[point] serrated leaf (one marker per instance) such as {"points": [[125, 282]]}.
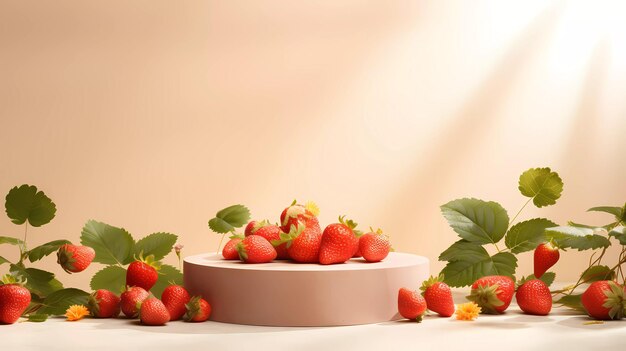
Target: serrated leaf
{"points": [[157, 244], [10, 240], [37, 318], [547, 278], [59, 301], [112, 245], [525, 236], [619, 233], [615, 211], [39, 282], [167, 275], [476, 220], [542, 185], [576, 237], [596, 273], [3, 260], [463, 250], [226, 220], [27, 203], [44, 250], [572, 301], [463, 273], [111, 278]]}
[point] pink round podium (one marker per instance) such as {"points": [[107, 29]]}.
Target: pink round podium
{"points": [[284, 293]]}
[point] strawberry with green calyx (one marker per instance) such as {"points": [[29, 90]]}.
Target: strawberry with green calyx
{"points": [[104, 304], [546, 255], [604, 300], [253, 226], [175, 297], [302, 242], [411, 305], [198, 310], [143, 272], [14, 299], [153, 312], [374, 246], [270, 233], [534, 297], [131, 298], [493, 293], [438, 296], [255, 249], [338, 242], [296, 213], [230, 249], [75, 258]]}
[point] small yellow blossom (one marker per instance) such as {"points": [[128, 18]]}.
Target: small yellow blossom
{"points": [[467, 311], [76, 312]]}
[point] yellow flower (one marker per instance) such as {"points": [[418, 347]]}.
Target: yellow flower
{"points": [[467, 311], [76, 312]]}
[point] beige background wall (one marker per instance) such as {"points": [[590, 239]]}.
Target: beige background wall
{"points": [[152, 115]]}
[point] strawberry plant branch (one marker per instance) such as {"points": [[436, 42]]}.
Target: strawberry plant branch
{"points": [[520, 211]]}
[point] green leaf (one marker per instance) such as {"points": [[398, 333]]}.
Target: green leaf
{"points": [[463, 250], [44, 250], [572, 301], [619, 233], [577, 238], [615, 211], [10, 240], [111, 278], [157, 244], [542, 185], [3, 260], [112, 245], [525, 236], [26, 203], [463, 273], [476, 220], [167, 275], [596, 273], [547, 278], [59, 301], [38, 281], [38, 317], [230, 218]]}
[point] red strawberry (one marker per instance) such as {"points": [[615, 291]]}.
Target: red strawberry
{"points": [[255, 249], [299, 213], [546, 255], [604, 300], [143, 273], [131, 298], [438, 296], [411, 304], [303, 242], [230, 249], [14, 299], [253, 226], [271, 233], [198, 310], [104, 304], [175, 297], [534, 297], [374, 246], [357, 252], [338, 242], [75, 258], [493, 293], [153, 312]]}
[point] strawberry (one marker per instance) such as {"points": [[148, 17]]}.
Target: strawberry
{"points": [[302, 242], [131, 298], [604, 299], [534, 297], [357, 252], [438, 296], [545, 256], [411, 304], [75, 258], [153, 312], [14, 299], [104, 304], [271, 233], [143, 272], [230, 249], [198, 310], [255, 249], [175, 297], [374, 246], [493, 293], [296, 213], [338, 242], [253, 226]]}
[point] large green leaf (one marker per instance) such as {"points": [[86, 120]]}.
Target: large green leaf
{"points": [[542, 185], [167, 275], [525, 236], [26, 203], [38, 281], [112, 245], [59, 301], [572, 301], [157, 244], [619, 233], [463, 250], [615, 211], [10, 240], [476, 220], [229, 219], [577, 238], [596, 273], [111, 278], [463, 273], [44, 250]]}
